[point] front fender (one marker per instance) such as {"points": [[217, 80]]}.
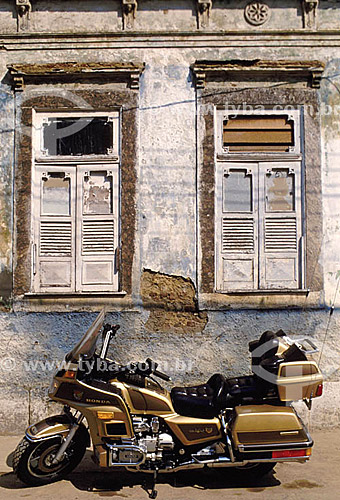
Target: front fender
{"points": [[57, 425]]}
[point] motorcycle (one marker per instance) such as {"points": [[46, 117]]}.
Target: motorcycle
{"points": [[246, 422]]}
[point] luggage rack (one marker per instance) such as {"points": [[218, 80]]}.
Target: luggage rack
{"points": [[306, 345]]}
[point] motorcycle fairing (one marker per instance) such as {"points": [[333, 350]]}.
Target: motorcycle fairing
{"points": [[58, 425]]}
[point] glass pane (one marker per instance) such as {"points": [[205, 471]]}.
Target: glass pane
{"points": [[97, 193], [280, 191], [56, 194], [237, 191], [78, 136]]}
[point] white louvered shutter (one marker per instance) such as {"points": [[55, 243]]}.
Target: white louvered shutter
{"points": [[53, 246], [236, 227], [280, 225], [97, 228]]}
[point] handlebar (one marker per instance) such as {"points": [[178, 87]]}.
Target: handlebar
{"points": [[153, 370], [161, 375]]}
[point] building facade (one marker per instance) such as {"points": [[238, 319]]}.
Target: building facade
{"points": [[175, 162]]}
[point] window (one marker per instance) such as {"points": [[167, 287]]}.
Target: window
{"points": [[259, 231], [258, 133], [61, 135], [75, 215]]}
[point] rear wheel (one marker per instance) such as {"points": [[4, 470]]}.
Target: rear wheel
{"points": [[255, 470], [32, 461]]}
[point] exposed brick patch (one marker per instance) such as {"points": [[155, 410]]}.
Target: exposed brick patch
{"points": [[172, 302]]}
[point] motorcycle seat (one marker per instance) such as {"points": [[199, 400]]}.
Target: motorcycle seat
{"points": [[200, 400], [207, 400]]}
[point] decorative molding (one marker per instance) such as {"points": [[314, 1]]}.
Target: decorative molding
{"points": [[310, 11], [129, 8], [18, 83], [250, 70], [200, 78], [23, 8], [134, 79], [256, 13], [203, 13], [22, 74]]}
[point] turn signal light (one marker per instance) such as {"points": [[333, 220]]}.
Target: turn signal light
{"points": [[105, 415], [292, 453], [319, 391], [70, 374]]}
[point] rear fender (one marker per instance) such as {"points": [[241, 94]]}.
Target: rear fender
{"points": [[58, 426]]}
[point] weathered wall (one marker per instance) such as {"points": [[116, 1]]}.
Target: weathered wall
{"points": [[178, 15], [6, 193], [162, 318], [32, 345]]}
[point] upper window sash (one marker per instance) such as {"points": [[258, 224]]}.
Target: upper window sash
{"points": [[76, 136], [292, 116]]}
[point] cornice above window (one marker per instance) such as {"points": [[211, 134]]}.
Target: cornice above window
{"points": [[23, 74], [247, 70]]}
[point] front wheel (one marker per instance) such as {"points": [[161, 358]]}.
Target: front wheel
{"points": [[32, 461]]}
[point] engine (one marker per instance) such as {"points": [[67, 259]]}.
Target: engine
{"points": [[151, 439], [151, 444]]}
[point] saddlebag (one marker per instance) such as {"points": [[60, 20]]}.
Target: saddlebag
{"points": [[262, 428]]}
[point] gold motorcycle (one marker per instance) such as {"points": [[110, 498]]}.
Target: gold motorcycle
{"points": [[246, 422]]}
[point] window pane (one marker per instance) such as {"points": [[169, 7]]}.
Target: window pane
{"points": [[258, 133], [237, 191], [56, 194], [78, 136], [97, 193], [280, 191]]}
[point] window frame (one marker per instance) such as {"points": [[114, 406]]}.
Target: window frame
{"points": [[41, 154], [293, 114], [221, 95], [78, 164], [256, 162], [74, 98]]}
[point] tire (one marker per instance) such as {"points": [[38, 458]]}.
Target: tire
{"points": [[254, 471], [31, 460]]}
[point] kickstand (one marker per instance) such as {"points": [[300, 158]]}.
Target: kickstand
{"points": [[153, 493]]}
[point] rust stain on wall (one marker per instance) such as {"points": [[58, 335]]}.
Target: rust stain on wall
{"points": [[172, 302]]}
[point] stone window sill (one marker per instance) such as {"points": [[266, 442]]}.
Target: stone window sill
{"points": [[261, 299], [75, 295], [71, 302]]}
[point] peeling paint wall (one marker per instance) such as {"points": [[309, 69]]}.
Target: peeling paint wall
{"points": [[164, 315]]}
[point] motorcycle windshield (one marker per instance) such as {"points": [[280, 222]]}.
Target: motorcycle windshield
{"points": [[87, 345]]}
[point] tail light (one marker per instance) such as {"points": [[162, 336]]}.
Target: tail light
{"points": [[319, 391], [292, 453]]}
